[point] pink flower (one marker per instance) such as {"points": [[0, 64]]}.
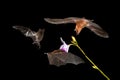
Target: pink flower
{"points": [[64, 46]]}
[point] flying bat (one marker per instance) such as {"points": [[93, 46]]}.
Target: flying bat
{"points": [[36, 36], [80, 24], [60, 57]]}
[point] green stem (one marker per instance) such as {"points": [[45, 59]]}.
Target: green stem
{"points": [[94, 66]]}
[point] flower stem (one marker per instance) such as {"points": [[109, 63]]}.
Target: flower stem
{"points": [[94, 66], [74, 42]]}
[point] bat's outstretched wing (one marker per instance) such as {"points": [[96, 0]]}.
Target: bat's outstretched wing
{"points": [[59, 58], [40, 34], [38, 37], [69, 58], [24, 30], [97, 30], [61, 21]]}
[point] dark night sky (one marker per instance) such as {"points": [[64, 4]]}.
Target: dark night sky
{"points": [[24, 59]]}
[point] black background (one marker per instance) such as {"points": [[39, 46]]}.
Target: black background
{"points": [[23, 59]]}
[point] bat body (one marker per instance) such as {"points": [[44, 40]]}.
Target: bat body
{"points": [[60, 57], [80, 24], [36, 36]]}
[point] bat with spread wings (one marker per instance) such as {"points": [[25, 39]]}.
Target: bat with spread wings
{"points": [[36, 36], [80, 24], [61, 56]]}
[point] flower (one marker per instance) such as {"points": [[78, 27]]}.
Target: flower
{"points": [[64, 46], [74, 41]]}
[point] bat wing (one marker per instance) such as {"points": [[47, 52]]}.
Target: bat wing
{"points": [[53, 60], [98, 30], [62, 58], [69, 58], [61, 21], [40, 34], [38, 37], [21, 28], [24, 30]]}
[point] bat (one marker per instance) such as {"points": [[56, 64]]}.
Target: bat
{"points": [[36, 36], [60, 57], [80, 24]]}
